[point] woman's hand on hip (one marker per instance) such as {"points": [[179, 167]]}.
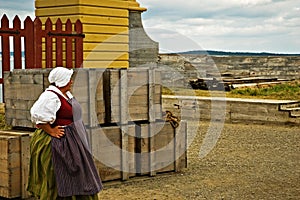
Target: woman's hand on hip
{"points": [[57, 131]]}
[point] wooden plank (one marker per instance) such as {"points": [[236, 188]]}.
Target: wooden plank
{"points": [[71, 10], [108, 147], [155, 148], [37, 40], [29, 42], [142, 149], [17, 44], [58, 43], [12, 161], [3, 148], [96, 19], [107, 3], [100, 55], [49, 47], [151, 95], [140, 90], [104, 37], [69, 45], [124, 123], [123, 97], [106, 47], [25, 157], [95, 92], [152, 161], [9, 165], [10, 182], [78, 45], [5, 45], [181, 146]]}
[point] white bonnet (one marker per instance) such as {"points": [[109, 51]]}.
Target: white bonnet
{"points": [[60, 76]]}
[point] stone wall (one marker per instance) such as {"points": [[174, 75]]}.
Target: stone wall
{"points": [[199, 66]]}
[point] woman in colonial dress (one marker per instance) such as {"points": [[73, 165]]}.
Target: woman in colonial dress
{"points": [[61, 163]]}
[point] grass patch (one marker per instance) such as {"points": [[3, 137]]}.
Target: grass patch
{"points": [[286, 91], [3, 125]]}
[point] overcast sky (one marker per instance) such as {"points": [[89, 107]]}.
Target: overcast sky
{"points": [[229, 25]]}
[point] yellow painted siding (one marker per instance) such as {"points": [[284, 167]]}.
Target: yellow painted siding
{"points": [[105, 29], [71, 10], [99, 3], [105, 64], [106, 56], [127, 4], [111, 38], [92, 20], [110, 47], [105, 25]]}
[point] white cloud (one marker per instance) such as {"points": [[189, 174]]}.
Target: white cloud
{"points": [[271, 25], [246, 25]]}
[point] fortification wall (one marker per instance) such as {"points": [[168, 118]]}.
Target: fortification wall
{"points": [[196, 66]]}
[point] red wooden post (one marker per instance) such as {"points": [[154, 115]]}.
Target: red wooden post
{"points": [[38, 56], [17, 44], [78, 45], [5, 45], [69, 44], [29, 43], [49, 57], [59, 56]]}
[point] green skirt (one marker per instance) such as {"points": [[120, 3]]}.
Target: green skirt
{"points": [[41, 181]]}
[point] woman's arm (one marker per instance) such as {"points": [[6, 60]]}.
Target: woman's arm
{"points": [[57, 131]]}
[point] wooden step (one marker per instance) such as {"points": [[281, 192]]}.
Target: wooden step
{"points": [[287, 106]]}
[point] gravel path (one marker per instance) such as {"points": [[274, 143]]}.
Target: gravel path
{"points": [[248, 162]]}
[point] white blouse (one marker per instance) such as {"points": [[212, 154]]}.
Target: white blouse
{"points": [[45, 108]]}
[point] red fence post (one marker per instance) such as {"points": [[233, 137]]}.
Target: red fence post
{"points": [[78, 45], [17, 44], [29, 43], [38, 54], [5, 45], [69, 56], [59, 47], [48, 38]]}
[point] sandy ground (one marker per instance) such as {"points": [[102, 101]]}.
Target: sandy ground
{"points": [[248, 162]]}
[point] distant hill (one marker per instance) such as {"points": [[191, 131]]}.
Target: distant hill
{"points": [[217, 53], [224, 53]]}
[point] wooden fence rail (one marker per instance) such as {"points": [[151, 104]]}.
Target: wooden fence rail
{"points": [[63, 44]]}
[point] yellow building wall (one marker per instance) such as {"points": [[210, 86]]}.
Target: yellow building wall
{"points": [[105, 25]]}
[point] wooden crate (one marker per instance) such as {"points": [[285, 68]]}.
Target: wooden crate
{"points": [[14, 164], [113, 149], [22, 88], [88, 90], [132, 94], [160, 147], [105, 95]]}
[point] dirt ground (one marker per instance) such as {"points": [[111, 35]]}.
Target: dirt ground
{"points": [[248, 162]]}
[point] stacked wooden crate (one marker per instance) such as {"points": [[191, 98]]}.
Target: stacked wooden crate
{"points": [[21, 89], [123, 115], [121, 109], [14, 158]]}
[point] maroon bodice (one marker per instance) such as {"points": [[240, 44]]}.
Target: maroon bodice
{"points": [[64, 115]]}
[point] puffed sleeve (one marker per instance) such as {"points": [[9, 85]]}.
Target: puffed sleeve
{"points": [[45, 108]]}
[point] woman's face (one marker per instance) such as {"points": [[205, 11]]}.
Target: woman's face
{"points": [[67, 87]]}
